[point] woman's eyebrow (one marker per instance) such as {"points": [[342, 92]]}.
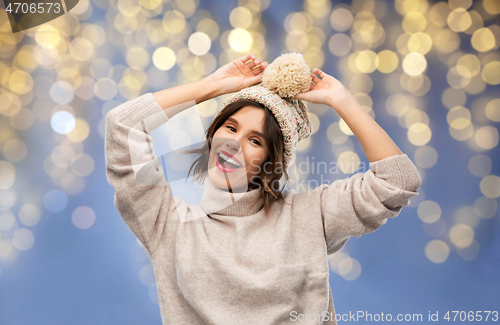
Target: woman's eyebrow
{"points": [[230, 119], [258, 133]]}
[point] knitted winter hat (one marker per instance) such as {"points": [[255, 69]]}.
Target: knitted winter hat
{"points": [[284, 78]]}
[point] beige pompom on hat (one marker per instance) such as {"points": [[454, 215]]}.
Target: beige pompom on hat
{"points": [[287, 76]]}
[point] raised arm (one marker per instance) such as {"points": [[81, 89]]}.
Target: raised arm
{"points": [[234, 76], [142, 195], [329, 91], [361, 203]]}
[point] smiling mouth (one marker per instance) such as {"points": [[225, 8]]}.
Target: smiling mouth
{"points": [[227, 163]]}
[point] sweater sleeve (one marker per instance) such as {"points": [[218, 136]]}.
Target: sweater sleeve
{"points": [[362, 203], [142, 197]]}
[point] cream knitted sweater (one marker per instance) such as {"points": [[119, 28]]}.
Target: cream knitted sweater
{"points": [[222, 263]]}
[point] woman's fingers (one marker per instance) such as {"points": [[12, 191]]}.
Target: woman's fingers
{"points": [[319, 73], [246, 60], [255, 64], [303, 96], [315, 78], [299, 96], [260, 69], [252, 63], [247, 57]]}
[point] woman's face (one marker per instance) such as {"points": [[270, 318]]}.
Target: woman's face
{"points": [[241, 139]]}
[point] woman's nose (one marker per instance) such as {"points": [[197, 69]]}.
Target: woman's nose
{"points": [[233, 144]]}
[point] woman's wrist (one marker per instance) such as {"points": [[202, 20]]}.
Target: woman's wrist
{"points": [[340, 99], [175, 99], [209, 89]]}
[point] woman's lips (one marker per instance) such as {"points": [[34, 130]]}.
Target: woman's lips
{"points": [[231, 156], [222, 168]]}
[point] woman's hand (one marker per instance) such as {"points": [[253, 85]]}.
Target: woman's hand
{"points": [[325, 90], [237, 74]]}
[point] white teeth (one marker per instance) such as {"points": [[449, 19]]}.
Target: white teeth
{"points": [[231, 160]]}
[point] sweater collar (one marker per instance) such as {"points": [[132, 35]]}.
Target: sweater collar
{"points": [[218, 201]]}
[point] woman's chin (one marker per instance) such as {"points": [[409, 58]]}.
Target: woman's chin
{"points": [[234, 181]]}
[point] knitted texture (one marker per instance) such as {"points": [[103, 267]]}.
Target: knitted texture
{"points": [[288, 75]]}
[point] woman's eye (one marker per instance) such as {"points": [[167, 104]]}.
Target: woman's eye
{"points": [[234, 130]]}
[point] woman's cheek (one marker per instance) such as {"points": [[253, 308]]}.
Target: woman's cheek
{"points": [[255, 165], [253, 161]]}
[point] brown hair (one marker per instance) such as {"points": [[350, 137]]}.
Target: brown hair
{"points": [[267, 181]]}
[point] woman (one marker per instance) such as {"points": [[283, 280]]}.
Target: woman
{"points": [[246, 254]]}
